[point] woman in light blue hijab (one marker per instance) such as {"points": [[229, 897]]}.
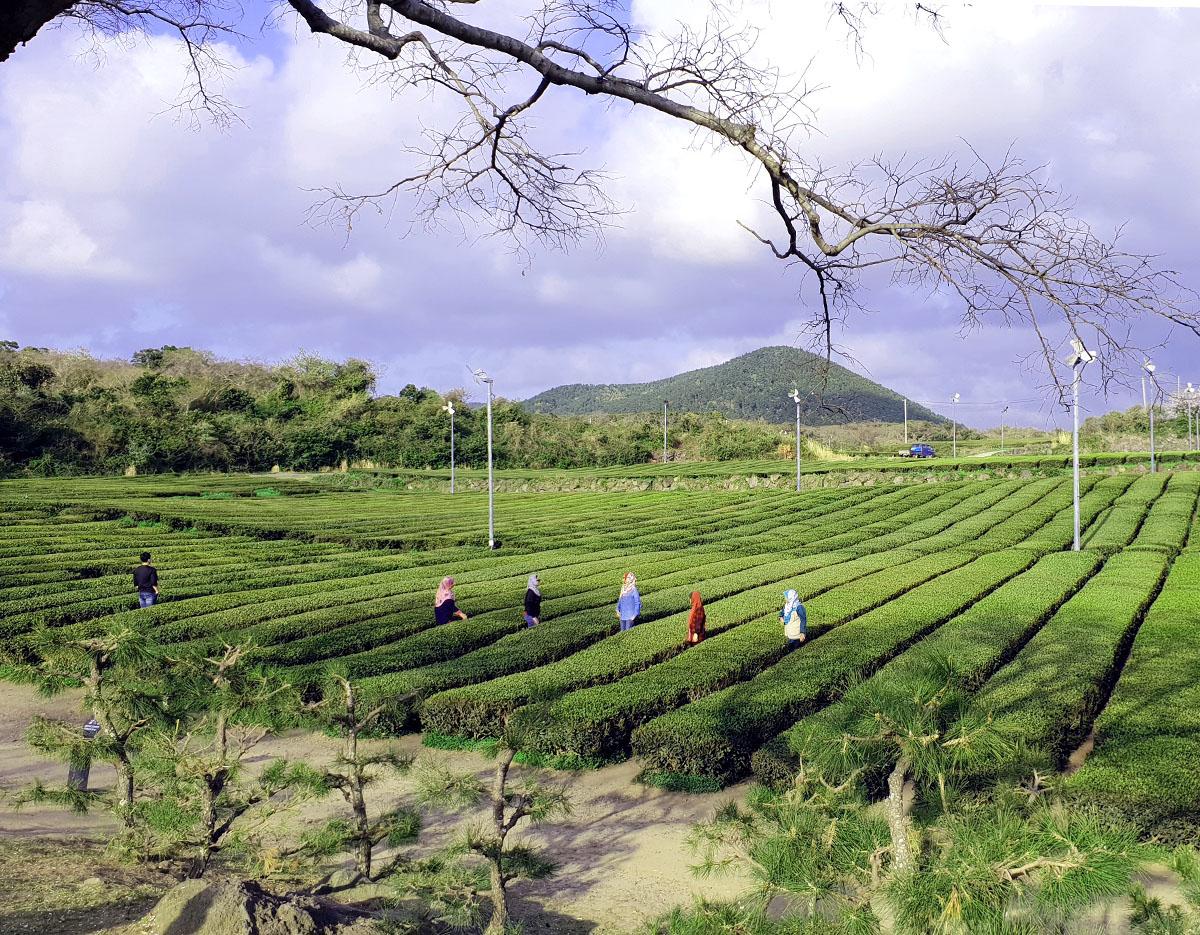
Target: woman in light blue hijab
{"points": [[794, 619]]}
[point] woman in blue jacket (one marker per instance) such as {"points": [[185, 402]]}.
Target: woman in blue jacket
{"points": [[629, 604]]}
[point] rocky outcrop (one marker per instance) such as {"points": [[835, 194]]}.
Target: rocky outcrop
{"points": [[210, 907]]}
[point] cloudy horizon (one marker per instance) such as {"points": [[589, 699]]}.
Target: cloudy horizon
{"points": [[121, 228]]}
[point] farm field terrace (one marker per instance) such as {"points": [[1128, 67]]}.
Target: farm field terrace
{"points": [[1055, 646]]}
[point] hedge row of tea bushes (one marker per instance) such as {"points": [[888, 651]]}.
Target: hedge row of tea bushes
{"points": [[715, 737], [478, 710], [1044, 701], [724, 730], [1146, 760], [969, 648], [894, 576], [520, 651], [465, 636]]}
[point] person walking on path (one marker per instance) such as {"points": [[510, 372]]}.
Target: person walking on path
{"points": [[794, 619], [145, 578], [533, 602], [696, 620], [444, 608], [629, 604]]}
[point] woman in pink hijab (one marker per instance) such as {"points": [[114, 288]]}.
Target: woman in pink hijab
{"points": [[444, 608]]}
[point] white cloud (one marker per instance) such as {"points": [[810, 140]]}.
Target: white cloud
{"points": [[43, 238], [353, 282]]}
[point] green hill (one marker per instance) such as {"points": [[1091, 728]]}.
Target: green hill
{"points": [[754, 386]]}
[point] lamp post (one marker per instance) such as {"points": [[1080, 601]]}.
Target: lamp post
{"points": [[1003, 422], [1189, 399], [906, 422], [795, 397], [1150, 368], [449, 407], [664, 431], [1079, 358], [954, 429], [482, 378]]}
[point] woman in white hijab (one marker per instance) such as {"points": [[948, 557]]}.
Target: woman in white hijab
{"points": [[794, 619], [533, 602]]}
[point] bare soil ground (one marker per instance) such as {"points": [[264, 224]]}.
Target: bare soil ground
{"points": [[622, 853]]}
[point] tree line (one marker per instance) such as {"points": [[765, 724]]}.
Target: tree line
{"points": [[180, 409]]}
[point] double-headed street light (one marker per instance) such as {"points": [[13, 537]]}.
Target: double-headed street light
{"points": [[1079, 358], [954, 429], [449, 407], [1189, 398], [1150, 368], [795, 397], [482, 378]]}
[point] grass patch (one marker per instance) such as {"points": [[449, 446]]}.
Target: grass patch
{"points": [[73, 883], [437, 741], [567, 761], [678, 782], [216, 495], [267, 492]]}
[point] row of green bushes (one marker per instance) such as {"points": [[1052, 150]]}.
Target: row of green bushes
{"points": [[1144, 764], [969, 648]]}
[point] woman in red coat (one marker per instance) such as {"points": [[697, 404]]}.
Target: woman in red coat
{"points": [[696, 620]]}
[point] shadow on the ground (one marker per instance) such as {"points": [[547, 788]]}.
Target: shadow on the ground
{"points": [[73, 921]]}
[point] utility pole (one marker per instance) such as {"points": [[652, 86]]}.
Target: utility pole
{"points": [[906, 422]]}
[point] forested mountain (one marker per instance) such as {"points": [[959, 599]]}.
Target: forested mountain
{"points": [[754, 386]]}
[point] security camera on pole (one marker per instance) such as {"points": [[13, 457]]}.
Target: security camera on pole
{"points": [[954, 431], [483, 379], [449, 407], [1150, 368], [795, 397], [1079, 358]]}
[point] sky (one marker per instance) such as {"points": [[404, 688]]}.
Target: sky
{"points": [[122, 227]]}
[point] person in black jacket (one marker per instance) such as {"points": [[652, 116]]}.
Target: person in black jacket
{"points": [[145, 578], [533, 602]]}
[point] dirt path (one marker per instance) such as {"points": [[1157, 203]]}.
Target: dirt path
{"points": [[622, 853]]}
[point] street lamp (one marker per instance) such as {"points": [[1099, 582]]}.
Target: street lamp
{"points": [[795, 397], [483, 379], [449, 407], [1080, 357], [1150, 368], [664, 431], [954, 429], [1003, 422], [1189, 399]]}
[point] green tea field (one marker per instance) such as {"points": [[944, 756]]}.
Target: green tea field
{"points": [[1058, 648]]}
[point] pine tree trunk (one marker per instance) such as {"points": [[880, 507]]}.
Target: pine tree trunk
{"points": [[359, 805], [499, 921], [898, 820], [208, 824], [124, 791]]}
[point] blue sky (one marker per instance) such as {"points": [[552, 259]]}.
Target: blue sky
{"points": [[122, 228]]}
